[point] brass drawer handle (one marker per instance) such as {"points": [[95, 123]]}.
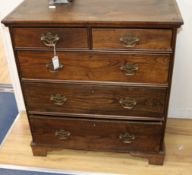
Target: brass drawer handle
{"points": [[129, 69], [50, 67], [128, 103], [127, 137], [129, 41], [49, 39], [62, 134], [58, 99]]}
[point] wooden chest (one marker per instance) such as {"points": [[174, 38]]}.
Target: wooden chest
{"points": [[110, 89]]}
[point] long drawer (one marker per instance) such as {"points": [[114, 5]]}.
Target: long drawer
{"points": [[100, 135], [42, 37], [137, 68], [132, 39], [95, 99]]}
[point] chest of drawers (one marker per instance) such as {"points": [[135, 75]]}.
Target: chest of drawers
{"points": [[111, 89]]}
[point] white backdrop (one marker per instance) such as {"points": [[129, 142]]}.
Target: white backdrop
{"points": [[181, 94]]}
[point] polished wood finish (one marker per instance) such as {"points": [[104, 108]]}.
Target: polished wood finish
{"points": [[95, 66], [149, 39], [116, 65], [92, 99], [98, 135], [69, 37], [98, 12]]}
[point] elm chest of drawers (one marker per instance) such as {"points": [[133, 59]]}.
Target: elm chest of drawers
{"points": [[108, 89]]}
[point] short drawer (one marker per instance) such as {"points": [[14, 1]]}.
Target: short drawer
{"points": [[42, 37], [74, 98], [101, 135], [128, 39], [95, 67]]}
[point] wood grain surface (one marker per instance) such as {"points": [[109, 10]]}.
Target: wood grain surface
{"points": [[93, 66], [17, 151], [152, 24], [149, 39], [68, 37], [95, 99], [97, 135], [121, 12]]}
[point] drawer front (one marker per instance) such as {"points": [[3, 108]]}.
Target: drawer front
{"points": [[95, 99], [40, 37], [101, 135], [95, 67], [128, 39]]}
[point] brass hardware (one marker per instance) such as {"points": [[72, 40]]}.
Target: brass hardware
{"points": [[50, 67], [129, 69], [62, 134], [128, 103], [127, 137], [129, 41], [58, 99], [50, 39]]}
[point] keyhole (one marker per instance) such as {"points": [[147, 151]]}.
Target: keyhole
{"points": [[92, 91], [91, 56]]}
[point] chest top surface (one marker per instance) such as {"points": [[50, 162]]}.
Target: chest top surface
{"points": [[97, 12]]}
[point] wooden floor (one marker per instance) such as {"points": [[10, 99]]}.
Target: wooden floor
{"points": [[178, 161], [4, 73]]}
